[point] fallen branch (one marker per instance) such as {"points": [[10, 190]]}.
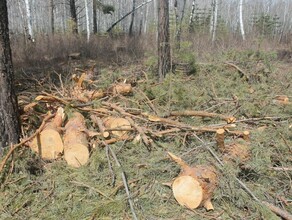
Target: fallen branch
{"points": [[242, 73], [144, 137], [228, 119], [280, 212], [127, 14], [14, 147], [92, 188], [99, 123], [124, 181]]}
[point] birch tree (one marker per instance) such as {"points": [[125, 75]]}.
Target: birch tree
{"points": [[164, 59], [214, 20], [87, 20], [29, 21], [9, 117], [180, 5], [241, 20], [192, 16]]}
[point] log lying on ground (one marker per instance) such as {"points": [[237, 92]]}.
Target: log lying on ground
{"points": [[228, 119], [48, 144], [121, 88], [112, 123], [194, 186], [76, 141]]}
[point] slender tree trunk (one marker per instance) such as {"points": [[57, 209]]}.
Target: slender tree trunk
{"points": [[146, 19], [132, 19], [241, 20], [29, 21], [127, 14], [215, 16], [191, 22], [164, 59], [52, 6], [180, 16], [94, 8], [74, 17], [9, 118], [87, 20]]}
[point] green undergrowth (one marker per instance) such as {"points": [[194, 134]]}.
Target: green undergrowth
{"points": [[36, 189]]}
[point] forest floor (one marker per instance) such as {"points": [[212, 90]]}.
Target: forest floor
{"points": [[247, 85]]}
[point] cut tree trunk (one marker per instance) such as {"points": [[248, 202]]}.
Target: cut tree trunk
{"points": [[76, 141], [117, 123], [48, 144], [201, 186]]}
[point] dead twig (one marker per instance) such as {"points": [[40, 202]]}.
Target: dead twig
{"points": [[228, 119], [144, 137], [124, 181], [92, 188], [242, 73]]}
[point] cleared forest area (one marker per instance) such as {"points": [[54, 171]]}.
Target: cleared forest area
{"points": [[105, 137]]}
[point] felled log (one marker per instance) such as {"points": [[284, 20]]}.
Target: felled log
{"points": [[195, 185], [48, 143], [76, 151], [112, 123], [121, 88]]}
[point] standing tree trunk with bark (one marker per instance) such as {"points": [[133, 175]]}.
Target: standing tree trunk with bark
{"points": [[214, 20], [87, 20], [9, 117], [132, 19], [52, 7], [180, 5], [192, 16], [73, 17], [164, 58], [29, 21], [94, 8], [241, 20]]}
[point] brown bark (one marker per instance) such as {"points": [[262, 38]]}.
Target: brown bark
{"points": [[164, 59], [9, 116]]}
